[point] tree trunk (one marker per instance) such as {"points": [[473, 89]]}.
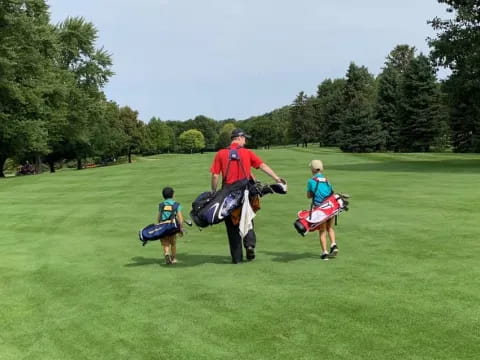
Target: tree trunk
{"points": [[79, 164], [51, 164], [129, 156], [2, 164], [38, 164]]}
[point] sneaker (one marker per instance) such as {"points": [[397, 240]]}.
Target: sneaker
{"points": [[174, 260], [324, 256], [333, 250], [168, 260], [250, 253]]}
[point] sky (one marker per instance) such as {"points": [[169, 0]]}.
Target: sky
{"points": [[176, 59]]}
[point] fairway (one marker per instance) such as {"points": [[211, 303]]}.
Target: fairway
{"points": [[76, 283]]}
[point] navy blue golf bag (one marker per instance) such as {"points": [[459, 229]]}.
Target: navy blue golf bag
{"points": [[167, 227], [212, 208]]}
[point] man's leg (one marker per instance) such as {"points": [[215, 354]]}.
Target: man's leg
{"points": [[250, 241], [234, 240]]}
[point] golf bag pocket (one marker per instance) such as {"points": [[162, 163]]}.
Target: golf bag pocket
{"points": [[154, 232]]}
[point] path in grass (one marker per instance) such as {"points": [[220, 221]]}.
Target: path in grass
{"points": [[76, 284]]}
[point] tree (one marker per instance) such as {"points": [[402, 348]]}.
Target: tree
{"points": [[389, 92], [159, 135], [191, 140], [456, 47], [359, 131], [224, 139], [134, 131], [303, 127], [27, 53], [90, 68], [330, 105], [418, 106], [263, 131], [108, 139], [207, 127]]}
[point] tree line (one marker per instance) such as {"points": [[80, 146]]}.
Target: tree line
{"points": [[53, 108]]}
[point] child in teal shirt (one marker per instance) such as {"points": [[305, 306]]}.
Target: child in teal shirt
{"points": [[318, 189], [169, 242]]}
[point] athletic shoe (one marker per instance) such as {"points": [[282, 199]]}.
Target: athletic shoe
{"points": [[324, 256], [333, 250], [250, 253], [174, 260], [168, 259]]}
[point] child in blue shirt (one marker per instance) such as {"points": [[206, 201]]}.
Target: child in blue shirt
{"points": [[318, 189]]}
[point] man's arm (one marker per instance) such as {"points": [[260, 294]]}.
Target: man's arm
{"points": [[214, 181], [267, 170]]}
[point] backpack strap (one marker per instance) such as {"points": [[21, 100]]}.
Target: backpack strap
{"points": [[233, 155], [167, 207], [174, 210], [313, 196]]}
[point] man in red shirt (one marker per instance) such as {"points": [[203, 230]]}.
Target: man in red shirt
{"points": [[234, 163]]}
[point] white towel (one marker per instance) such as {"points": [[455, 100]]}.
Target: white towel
{"points": [[246, 217]]}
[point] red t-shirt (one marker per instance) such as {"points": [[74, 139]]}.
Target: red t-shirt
{"points": [[248, 160]]}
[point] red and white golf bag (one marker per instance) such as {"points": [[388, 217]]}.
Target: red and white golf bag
{"points": [[310, 220]]}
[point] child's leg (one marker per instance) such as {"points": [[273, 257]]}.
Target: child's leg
{"points": [[166, 249], [323, 240], [331, 232], [173, 248], [331, 235]]}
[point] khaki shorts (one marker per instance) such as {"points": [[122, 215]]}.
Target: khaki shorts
{"points": [[169, 240]]}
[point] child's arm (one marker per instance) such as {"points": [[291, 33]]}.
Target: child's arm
{"points": [[180, 221], [180, 217], [159, 217]]}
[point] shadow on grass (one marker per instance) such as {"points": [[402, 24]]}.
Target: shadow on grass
{"points": [[184, 260], [288, 257], [439, 166]]}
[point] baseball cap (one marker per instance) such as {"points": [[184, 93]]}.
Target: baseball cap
{"points": [[316, 165], [239, 132]]}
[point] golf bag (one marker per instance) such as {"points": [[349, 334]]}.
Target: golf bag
{"points": [[211, 208], [310, 220], [167, 227]]}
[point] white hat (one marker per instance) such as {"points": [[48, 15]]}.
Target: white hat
{"points": [[316, 165]]}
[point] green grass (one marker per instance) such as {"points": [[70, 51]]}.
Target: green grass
{"points": [[75, 283]]}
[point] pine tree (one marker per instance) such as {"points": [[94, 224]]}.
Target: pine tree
{"points": [[360, 131], [331, 105], [418, 107], [389, 92], [303, 128]]}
